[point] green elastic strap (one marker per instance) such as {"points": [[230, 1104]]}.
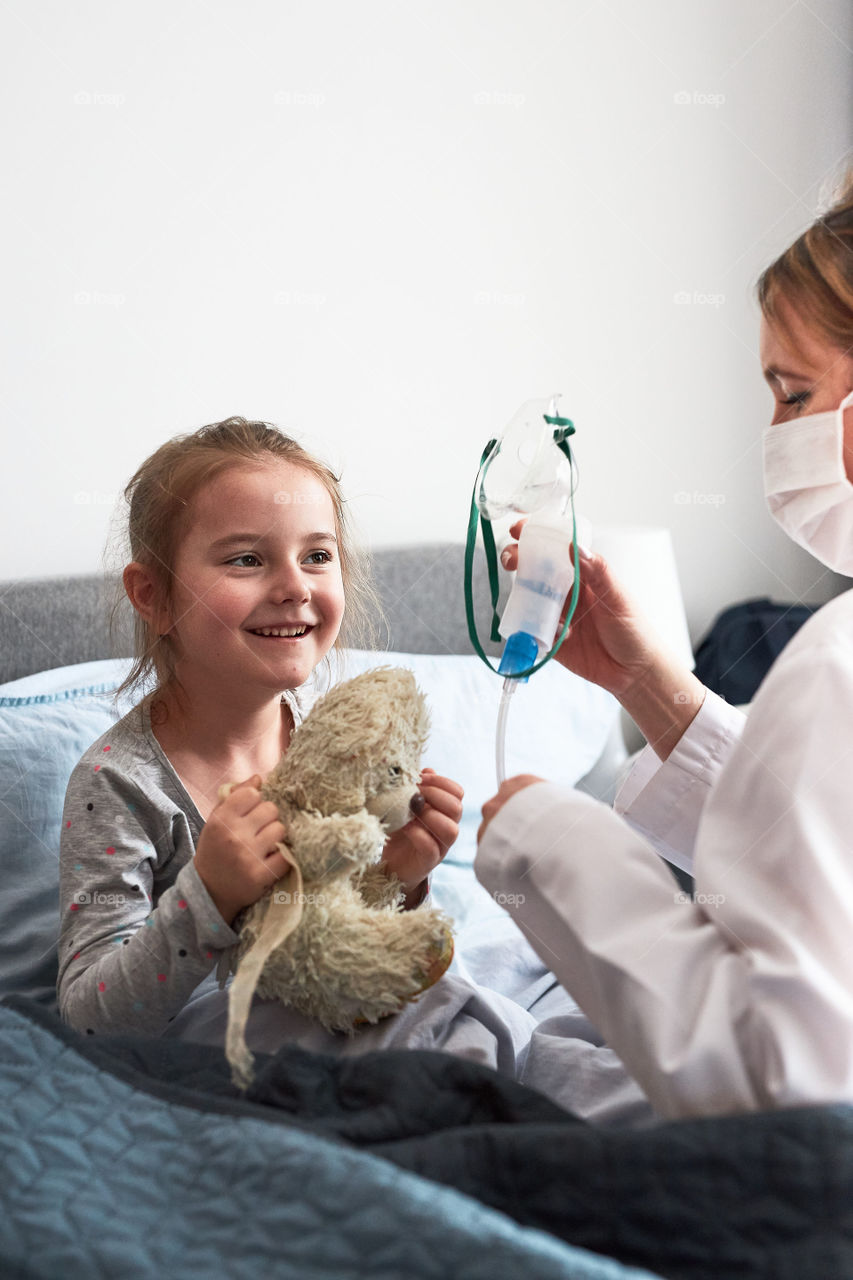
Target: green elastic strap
{"points": [[491, 560], [565, 429]]}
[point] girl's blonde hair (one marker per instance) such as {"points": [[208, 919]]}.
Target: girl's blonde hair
{"points": [[159, 498], [815, 275]]}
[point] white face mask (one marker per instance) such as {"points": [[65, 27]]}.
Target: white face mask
{"points": [[806, 486]]}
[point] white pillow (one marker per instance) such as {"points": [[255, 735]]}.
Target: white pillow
{"points": [[104, 674], [557, 726]]}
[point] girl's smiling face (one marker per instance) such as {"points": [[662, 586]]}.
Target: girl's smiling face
{"points": [[260, 554]]}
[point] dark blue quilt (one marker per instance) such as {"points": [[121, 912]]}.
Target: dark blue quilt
{"points": [[125, 1156], [134, 1159]]}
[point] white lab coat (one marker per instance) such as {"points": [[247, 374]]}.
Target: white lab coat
{"points": [[743, 998]]}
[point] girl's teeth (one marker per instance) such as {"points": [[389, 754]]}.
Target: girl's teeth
{"points": [[280, 631]]}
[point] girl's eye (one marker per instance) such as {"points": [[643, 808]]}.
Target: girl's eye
{"points": [[247, 555], [324, 557]]}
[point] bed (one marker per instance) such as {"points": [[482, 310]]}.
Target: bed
{"points": [[127, 1156]]}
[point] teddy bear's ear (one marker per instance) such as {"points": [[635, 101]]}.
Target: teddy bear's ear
{"points": [[374, 708], [358, 720], [360, 729]]}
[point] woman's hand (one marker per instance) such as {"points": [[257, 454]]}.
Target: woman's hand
{"points": [[506, 790], [416, 849], [611, 644], [607, 641], [236, 857]]}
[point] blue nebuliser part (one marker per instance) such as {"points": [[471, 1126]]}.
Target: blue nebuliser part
{"points": [[519, 654]]}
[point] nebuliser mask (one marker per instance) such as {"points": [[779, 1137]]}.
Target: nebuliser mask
{"points": [[528, 470]]}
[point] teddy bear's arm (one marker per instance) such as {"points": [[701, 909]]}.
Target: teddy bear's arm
{"points": [[339, 842], [379, 887]]}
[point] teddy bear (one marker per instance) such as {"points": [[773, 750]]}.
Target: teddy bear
{"points": [[331, 938]]}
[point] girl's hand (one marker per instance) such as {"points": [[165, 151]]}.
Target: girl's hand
{"points": [[607, 641], [505, 791], [416, 849], [236, 857]]}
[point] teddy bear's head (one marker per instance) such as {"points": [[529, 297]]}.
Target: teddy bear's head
{"points": [[360, 748]]}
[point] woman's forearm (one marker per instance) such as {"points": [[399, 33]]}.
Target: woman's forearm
{"points": [[663, 703]]}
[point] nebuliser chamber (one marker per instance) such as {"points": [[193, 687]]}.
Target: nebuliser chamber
{"points": [[543, 578]]}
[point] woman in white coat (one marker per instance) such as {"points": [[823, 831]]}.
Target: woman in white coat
{"points": [[741, 999]]}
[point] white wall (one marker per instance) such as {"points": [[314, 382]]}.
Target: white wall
{"points": [[385, 225]]}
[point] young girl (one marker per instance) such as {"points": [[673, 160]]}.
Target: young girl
{"points": [[241, 569]]}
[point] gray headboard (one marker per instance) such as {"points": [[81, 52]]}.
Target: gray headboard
{"points": [[54, 622]]}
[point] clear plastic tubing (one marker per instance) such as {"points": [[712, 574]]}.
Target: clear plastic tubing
{"points": [[500, 735], [519, 654]]}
